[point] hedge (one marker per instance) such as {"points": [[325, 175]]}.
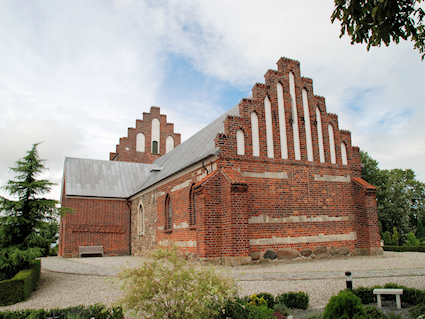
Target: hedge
{"points": [[21, 286], [97, 311], [405, 248]]}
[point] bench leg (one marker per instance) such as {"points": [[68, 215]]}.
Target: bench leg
{"points": [[378, 298], [398, 300]]}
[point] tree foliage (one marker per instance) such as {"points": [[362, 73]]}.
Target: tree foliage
{"points": [[377, 21], [400, 197], [22, 219]]}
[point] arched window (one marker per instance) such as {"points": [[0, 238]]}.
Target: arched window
{"points": [[255, 134], [282, 122], [240, 142], [269, 127], [320, 135], [169, 144], [140, 142], [168, 214], [192, 207], [332, 144], [141, 220], [307, 126], [344, 154], [155, 136], [297, 149]]}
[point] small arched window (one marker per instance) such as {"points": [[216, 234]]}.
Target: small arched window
{"points": [[169, 143], [140, 142], [255, 134], [192, 207], [155, 135], [319, 135], [240, 141], [168, 214], [155, 147], [344, 154], [141, 220], [332, 144]]}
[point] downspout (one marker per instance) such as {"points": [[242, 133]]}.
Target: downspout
{"points": [[204, 167], [129, 229]]}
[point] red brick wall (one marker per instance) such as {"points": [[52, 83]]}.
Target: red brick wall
{"points": [[95, 222], [126, 149], [223, 210]]}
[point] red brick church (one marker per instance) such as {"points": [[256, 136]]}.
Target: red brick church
{"points": [[273, 172]]}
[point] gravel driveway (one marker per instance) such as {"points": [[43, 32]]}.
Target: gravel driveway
{"points": [[71, 282]]}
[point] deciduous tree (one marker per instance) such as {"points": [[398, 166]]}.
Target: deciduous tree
{"points": [[377, 21]]}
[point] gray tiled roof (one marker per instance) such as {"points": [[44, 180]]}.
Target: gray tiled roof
{"points": [[199, 146], [87, 177]]}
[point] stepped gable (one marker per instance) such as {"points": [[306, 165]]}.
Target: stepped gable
{"points": [[316, 114], [195, 149], [139, 146]]}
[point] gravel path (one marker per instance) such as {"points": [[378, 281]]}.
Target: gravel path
{"points": [[70, 282]]}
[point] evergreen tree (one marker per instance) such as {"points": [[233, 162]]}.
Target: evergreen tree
{"points": [[22, 219], [420, 231]]}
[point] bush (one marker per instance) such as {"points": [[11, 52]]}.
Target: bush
{"points": [[267, 297], [410, 295], [21, 285], [417, 310], [294, 300], [257, 312], [404, 248], [365, 294], [281, 309], [168, 286], [412, 241], [97, 311], [344, 305], [374, 313]]}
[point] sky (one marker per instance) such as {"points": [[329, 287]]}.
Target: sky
{"points": [[75, 75]]}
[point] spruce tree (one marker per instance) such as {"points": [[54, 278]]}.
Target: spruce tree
{"points": [[420, 231], [22, 219]]}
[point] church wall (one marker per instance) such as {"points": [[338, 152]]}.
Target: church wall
{"points": [[146, 239], [95, 222]]}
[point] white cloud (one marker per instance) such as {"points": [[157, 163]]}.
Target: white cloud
{"points": [[77, 75]]}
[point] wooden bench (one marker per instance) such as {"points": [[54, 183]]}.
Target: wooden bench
{"points": [[89, 250], [388, 291]]}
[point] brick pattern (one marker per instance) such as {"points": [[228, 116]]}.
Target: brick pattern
{"points": [[305, 199], [95, 222], [126, 149]]}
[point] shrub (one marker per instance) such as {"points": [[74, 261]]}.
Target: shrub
{"points": [[257, 301], [168, 286], [345, 305], [404, 248], [281, 309], [410, 295], [387, 239], [417, 310], [294, 300], [365, 294], [97, 311], [314, 315], [374, 313], [412, 241], [21, 285], [267, 297], [258, 312]]}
